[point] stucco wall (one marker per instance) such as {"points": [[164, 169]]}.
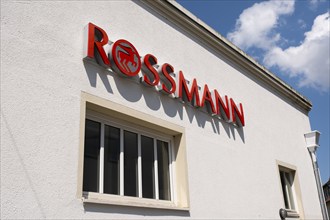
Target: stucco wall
{"points": [[232, 172]]}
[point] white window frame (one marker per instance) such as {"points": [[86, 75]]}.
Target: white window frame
{"points": [[297, 211], [93, 106], [289, 191], [140, 131]]}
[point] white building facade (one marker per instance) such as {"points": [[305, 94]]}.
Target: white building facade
{"points": [[136, 109]]}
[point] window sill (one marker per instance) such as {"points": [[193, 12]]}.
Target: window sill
{"points": [[288, 213], [91, 197]]}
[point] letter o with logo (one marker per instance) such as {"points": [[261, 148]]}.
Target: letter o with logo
{"points": [[124, 58]]}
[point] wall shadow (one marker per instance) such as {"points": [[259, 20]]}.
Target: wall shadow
{"points": [[172, 106], [203, 118], [132, 90], [128, 210], [93, 70], [128, 88]]}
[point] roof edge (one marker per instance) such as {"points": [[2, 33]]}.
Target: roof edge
{"points": [[176, 13]]}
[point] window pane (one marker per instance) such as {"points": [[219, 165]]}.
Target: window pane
{"points": [[163, 170], [147, 154], [91, 156], [130, 164], [287, 188], [290, 193], [111, 159], [284, 190]]}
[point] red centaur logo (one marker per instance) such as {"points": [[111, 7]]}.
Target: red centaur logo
{"points": [[125, 57]]}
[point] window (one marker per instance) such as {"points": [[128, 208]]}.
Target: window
{"points": [[130, 158], [125, 161], [288, 189]]}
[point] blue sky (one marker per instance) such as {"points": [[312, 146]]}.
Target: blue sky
{"points": [[291, 38]]}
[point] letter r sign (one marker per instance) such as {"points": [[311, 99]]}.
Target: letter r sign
{"points": [[96, 39]]}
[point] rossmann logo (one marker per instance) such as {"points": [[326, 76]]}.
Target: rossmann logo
{"points": [[124, 59]]}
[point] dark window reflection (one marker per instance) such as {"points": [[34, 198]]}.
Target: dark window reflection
{"points": [[163, 170], [91, 156], [111, 159], [147, 154], [130, 164]]}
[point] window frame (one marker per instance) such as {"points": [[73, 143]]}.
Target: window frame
{"points": [[297, 211], [140, 131], [119, 113], [289, 195]]}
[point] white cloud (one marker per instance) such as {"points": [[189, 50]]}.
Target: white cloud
{"points": [[257, 26], [310, 60], [313, 4], [254, 27]]}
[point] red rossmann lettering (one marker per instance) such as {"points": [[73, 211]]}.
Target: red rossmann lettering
{"points": [[166, 81]]}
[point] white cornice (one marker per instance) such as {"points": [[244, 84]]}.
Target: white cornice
{"points": [[182, 18]]}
